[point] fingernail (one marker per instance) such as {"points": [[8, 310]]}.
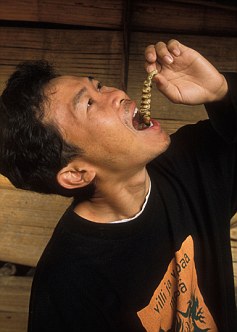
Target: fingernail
{"points": [[150, 57], [176, 51], [168, 59], [151, 68]]}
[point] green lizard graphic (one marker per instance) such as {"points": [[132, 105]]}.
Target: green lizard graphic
{"points": [[193, 314]]}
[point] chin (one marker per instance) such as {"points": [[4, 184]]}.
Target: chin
{"points": [[161, 148]]}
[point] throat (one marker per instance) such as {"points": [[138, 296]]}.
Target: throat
{"points": [[115, 208], [119, 221]]}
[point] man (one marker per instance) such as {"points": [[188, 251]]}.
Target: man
{"points": [[145, 245]]}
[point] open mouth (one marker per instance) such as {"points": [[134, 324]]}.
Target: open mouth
{"points": [[137, 121], [136, 116]]}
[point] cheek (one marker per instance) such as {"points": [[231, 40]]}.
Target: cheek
{"points": [[106, 131], [100, 138], [107, 143]]}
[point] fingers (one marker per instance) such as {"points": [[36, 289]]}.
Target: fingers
{"points": [[151, 59], [175, 47], [150, 53], [162, 54]]}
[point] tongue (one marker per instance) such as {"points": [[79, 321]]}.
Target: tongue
{"points": [[142, 126], [138, 125]]}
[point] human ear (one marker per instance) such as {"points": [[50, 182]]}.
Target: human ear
{"points": [[72, 176]]}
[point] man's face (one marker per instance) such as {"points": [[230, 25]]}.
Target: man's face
{"points": [[102, 122]]}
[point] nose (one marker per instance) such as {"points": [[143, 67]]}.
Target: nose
{"points": [[114, 96]]}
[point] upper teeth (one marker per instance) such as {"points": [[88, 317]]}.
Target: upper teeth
{"points": [[135, 112]]}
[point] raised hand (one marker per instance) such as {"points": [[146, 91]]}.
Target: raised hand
{"points": [[184, 75]]}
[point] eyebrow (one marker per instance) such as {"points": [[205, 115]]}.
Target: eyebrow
{"points": [[78, 96], [80, 93]]}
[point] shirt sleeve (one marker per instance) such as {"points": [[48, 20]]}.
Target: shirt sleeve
{"points": [[223, 118], [223, 114]]}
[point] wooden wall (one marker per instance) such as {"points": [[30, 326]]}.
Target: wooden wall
{"points": [[106, 39]]}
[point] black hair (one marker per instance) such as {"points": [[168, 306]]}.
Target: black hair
{"points": [[31, 151]]}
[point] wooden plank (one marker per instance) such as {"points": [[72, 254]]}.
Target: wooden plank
{"points": [[230, 4], [27, 221], [168, 16], [97, 53], [171, 126], [5, 183], [93, 13], [14, 303], [219, 50], [199, 17], [13, 321], [233, 236], [15, 293]]}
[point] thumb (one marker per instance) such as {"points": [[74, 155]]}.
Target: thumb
{"points": [[161, 82], [167, 89]]}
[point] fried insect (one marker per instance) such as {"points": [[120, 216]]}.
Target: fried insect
{"points": [[145, 106]]}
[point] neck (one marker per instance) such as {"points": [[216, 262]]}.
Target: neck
{"points": [[116, 197]]}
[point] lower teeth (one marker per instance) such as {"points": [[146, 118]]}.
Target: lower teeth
{"points": [[144, 126]]}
